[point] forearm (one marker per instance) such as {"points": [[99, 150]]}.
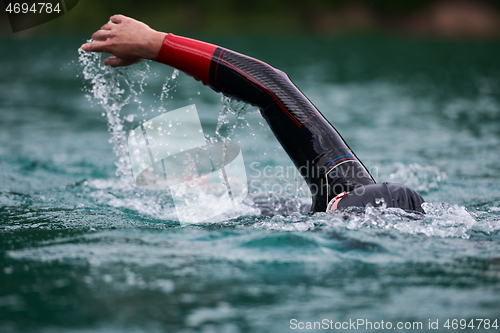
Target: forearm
{"points": [[190, 56]]}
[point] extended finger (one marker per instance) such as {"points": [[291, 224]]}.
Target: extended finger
{"points": [[100, 35], [118, 62], [113, 62], [94, 47], [108, 26], [117, 18]]}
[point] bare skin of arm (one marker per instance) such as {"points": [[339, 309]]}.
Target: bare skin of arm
{"points": [[128, 40]]}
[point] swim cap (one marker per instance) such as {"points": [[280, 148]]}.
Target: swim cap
{"points": [[393, 195]]}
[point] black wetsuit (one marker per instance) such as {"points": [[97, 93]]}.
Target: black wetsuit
{"points": [[320, 154]]}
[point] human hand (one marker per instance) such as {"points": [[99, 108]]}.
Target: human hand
{"points": [[128, 40]]}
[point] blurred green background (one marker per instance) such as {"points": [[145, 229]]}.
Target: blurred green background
{"points": [[434, 18]]}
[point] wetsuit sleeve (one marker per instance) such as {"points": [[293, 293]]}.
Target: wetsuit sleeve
{"points": [[318, 151]]}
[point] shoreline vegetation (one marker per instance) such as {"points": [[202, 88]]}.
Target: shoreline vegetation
{"points": [[456, 19]]}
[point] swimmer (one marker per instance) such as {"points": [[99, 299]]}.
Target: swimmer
{"points": [[335, 176]]}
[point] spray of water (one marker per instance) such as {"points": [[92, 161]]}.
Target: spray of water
{"points": [[421, 178], [113, 88], [226, 128]]}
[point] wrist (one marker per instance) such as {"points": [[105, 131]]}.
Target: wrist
{"points": [[154, 45], [188, 55]]}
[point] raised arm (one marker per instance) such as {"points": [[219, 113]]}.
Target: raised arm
{"points": [[315, 147]]}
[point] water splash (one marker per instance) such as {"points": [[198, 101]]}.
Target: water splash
{"points": [[420, 178], [226, 127], [276, 185], [440, 220], [169, 85], [113, 88]]}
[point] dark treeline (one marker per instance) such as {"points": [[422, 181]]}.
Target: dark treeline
{"points": [[287, 16]]}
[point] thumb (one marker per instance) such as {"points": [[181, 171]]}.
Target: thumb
{"points": [[113, 62], [119, 62]]}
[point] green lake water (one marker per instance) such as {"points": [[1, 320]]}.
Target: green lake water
{"points": [[82, 249]]}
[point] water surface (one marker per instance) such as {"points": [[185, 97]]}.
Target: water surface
{"points": [[82, 249]]}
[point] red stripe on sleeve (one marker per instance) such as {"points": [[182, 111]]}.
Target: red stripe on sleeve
{"points": [[187, 55]]}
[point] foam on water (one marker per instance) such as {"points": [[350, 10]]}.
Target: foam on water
{"points": [[440, 220]]}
